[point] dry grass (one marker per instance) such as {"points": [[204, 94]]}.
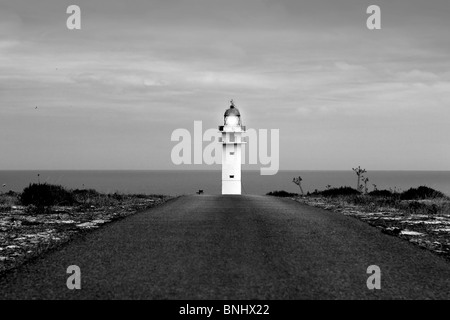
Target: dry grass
{"points": [[437, 206]]}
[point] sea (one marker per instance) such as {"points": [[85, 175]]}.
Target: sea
{"points": [[179, 182]]}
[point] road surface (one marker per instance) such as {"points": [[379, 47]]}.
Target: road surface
{"points": [[233, 247]]}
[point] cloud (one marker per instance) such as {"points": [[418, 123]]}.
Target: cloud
{"points": [[291, 65], [417, 76]]}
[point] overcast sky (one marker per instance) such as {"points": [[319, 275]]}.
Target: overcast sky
{"points": [[110, 95]]}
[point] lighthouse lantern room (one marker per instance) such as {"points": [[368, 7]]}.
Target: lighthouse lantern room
{"points": [[232, 142]]}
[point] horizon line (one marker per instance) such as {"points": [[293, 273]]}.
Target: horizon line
{"points": [[250, 170]]}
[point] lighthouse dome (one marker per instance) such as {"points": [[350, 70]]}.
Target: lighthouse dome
{"points": [[232, 111]]}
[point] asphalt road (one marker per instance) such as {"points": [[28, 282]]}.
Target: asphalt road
{"points": [[233, 247]]}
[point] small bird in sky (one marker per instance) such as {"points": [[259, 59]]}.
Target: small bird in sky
{"points": [[35, 107]]}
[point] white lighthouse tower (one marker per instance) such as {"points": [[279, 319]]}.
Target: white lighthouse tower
{"points": [[231, 151]]}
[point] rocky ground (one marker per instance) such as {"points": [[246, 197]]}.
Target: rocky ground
{"points": [[430, 231], [25, 234]]}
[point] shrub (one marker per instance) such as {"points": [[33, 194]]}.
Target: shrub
{"points": [[85, 195], [341, 191], [360, 200], [382, 193], [433, 209], [45, 195], [393, 201], [85, 192], [11, 193], [427, 208], [421, 192], [281, 193], [117, 196], [7, 201], [314, 193], [416, 207]]}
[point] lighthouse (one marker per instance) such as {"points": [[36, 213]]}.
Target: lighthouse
{"points": [[231, 150]]}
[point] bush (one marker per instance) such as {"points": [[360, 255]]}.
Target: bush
{"points": [[281, 193], [341, 191], [360, 200], [11, 193], [382, 193], [84, 195], [85, 192], [117, 196], [416, 207], [45, 195], [421, 193]]}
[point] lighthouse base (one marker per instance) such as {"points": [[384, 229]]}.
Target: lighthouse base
{"points": [[231, 187]]}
